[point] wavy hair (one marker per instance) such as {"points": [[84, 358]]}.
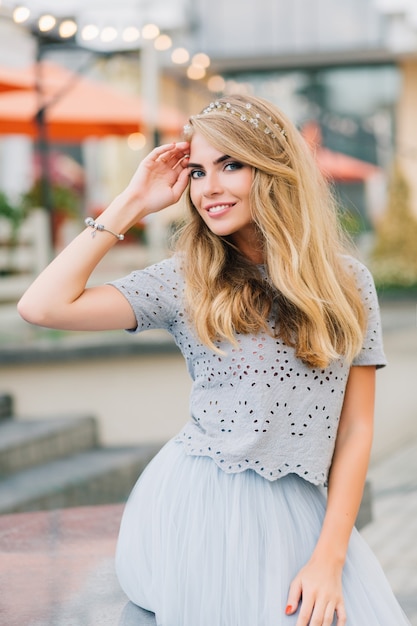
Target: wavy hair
{"points": [[317, 307]]}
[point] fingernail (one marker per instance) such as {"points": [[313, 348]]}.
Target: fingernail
{"points": [[288, 610]]}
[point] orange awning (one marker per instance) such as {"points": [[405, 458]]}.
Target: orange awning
{"points": [[12, 78], [336, 166], [77, 108]]}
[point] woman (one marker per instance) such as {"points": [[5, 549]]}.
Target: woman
{"points": [[229, 525]]}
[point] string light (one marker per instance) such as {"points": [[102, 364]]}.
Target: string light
{"points": [[180, 56], [201, 60], [197, 70], [21, 14], [46, 23], [130, 34], [67, 28], [109, 33], [89, 32], [163, 42], [194, 72], [150, 31], [216, 84]]}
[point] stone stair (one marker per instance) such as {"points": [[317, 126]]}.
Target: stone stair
{"points": [[59, 462]]}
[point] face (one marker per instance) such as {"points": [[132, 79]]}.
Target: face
{"points": [[220, 190]]}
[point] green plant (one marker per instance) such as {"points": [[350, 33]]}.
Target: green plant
{"points": [[394, 257], [62, 199], [138, 232], [15, 214], [352, 222]]}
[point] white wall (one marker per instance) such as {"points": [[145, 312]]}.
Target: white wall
{"points": [[236, 28], [136, 399]]}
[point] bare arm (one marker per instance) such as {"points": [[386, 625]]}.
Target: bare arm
{"points": [[58, 298], [320, 581]]}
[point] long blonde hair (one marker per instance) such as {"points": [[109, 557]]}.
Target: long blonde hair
{"points": [[318, 308]]}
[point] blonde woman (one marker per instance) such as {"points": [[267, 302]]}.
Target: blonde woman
{"points": [[229, 524]]}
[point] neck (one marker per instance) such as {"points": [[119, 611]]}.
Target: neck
{"points": [[251, 248]]}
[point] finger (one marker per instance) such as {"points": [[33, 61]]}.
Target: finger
{"points": [[315, 614], [173, 162], [180, 184], [329, 615], [174, 157], [294, 596], [170, 149], [305, 614], [182, 162], [157, 152], [322, 614], [341, 614]]}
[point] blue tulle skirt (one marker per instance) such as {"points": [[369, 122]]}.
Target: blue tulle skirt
{"points": [[199, 547]]}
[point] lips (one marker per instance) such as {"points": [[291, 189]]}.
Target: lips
{"points": [[215, 209]]}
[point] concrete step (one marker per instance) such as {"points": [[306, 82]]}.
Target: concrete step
{"points": [[28, 443], [100, 476]]}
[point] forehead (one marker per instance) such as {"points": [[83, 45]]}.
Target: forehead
{"points": [[201, 150]]}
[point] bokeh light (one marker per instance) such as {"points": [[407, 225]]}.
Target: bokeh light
{"points": [[21, 14], [67, 28], [180, 55], [136, 141]]}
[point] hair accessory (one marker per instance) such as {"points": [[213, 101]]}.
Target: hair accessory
{"points": [[269, 128], [89, 221]]}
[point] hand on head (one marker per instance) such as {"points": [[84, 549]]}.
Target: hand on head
{"points": [[162, 176]]}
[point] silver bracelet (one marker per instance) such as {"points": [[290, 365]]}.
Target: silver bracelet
{"points": [[89, 221]]}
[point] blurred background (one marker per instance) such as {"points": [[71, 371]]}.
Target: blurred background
{"points": [[86, 90]]}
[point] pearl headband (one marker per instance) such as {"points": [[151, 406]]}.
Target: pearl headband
{"points": [[250, 117]]}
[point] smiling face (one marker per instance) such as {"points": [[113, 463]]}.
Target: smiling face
{"points": [[220, 189]]}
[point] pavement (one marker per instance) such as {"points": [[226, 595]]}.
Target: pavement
{"points": [[392, 534]]}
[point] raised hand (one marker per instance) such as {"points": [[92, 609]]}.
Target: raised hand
{"points": [[58, 298], [161, 177]]}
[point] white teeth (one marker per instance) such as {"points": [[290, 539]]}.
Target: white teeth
{"points": [[216, 209]]}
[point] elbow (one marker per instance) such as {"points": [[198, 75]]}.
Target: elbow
{"points": [[31, 312]]}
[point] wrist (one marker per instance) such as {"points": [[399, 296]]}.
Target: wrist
{"points": [[123, 212], [333, 555], [98, 227]]}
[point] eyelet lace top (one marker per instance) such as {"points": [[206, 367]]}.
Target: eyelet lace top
{"points": [[258, 407]]}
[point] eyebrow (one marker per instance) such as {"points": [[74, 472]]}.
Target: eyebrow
{"points": [[224, 157]]}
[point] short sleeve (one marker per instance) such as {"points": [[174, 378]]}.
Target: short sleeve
{"points": [[372, 351], [153, 293]]}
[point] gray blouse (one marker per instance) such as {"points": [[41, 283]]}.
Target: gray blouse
{"points": [[258, 407]]}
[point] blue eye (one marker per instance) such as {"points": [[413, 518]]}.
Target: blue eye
{"points": [[233, 165], [196, 174]]}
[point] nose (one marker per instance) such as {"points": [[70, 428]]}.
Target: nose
{"points": [[212, 184]]}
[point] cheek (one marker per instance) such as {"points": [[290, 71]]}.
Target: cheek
{"points": [[194, 195], [248, 183], [193, 202]]}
